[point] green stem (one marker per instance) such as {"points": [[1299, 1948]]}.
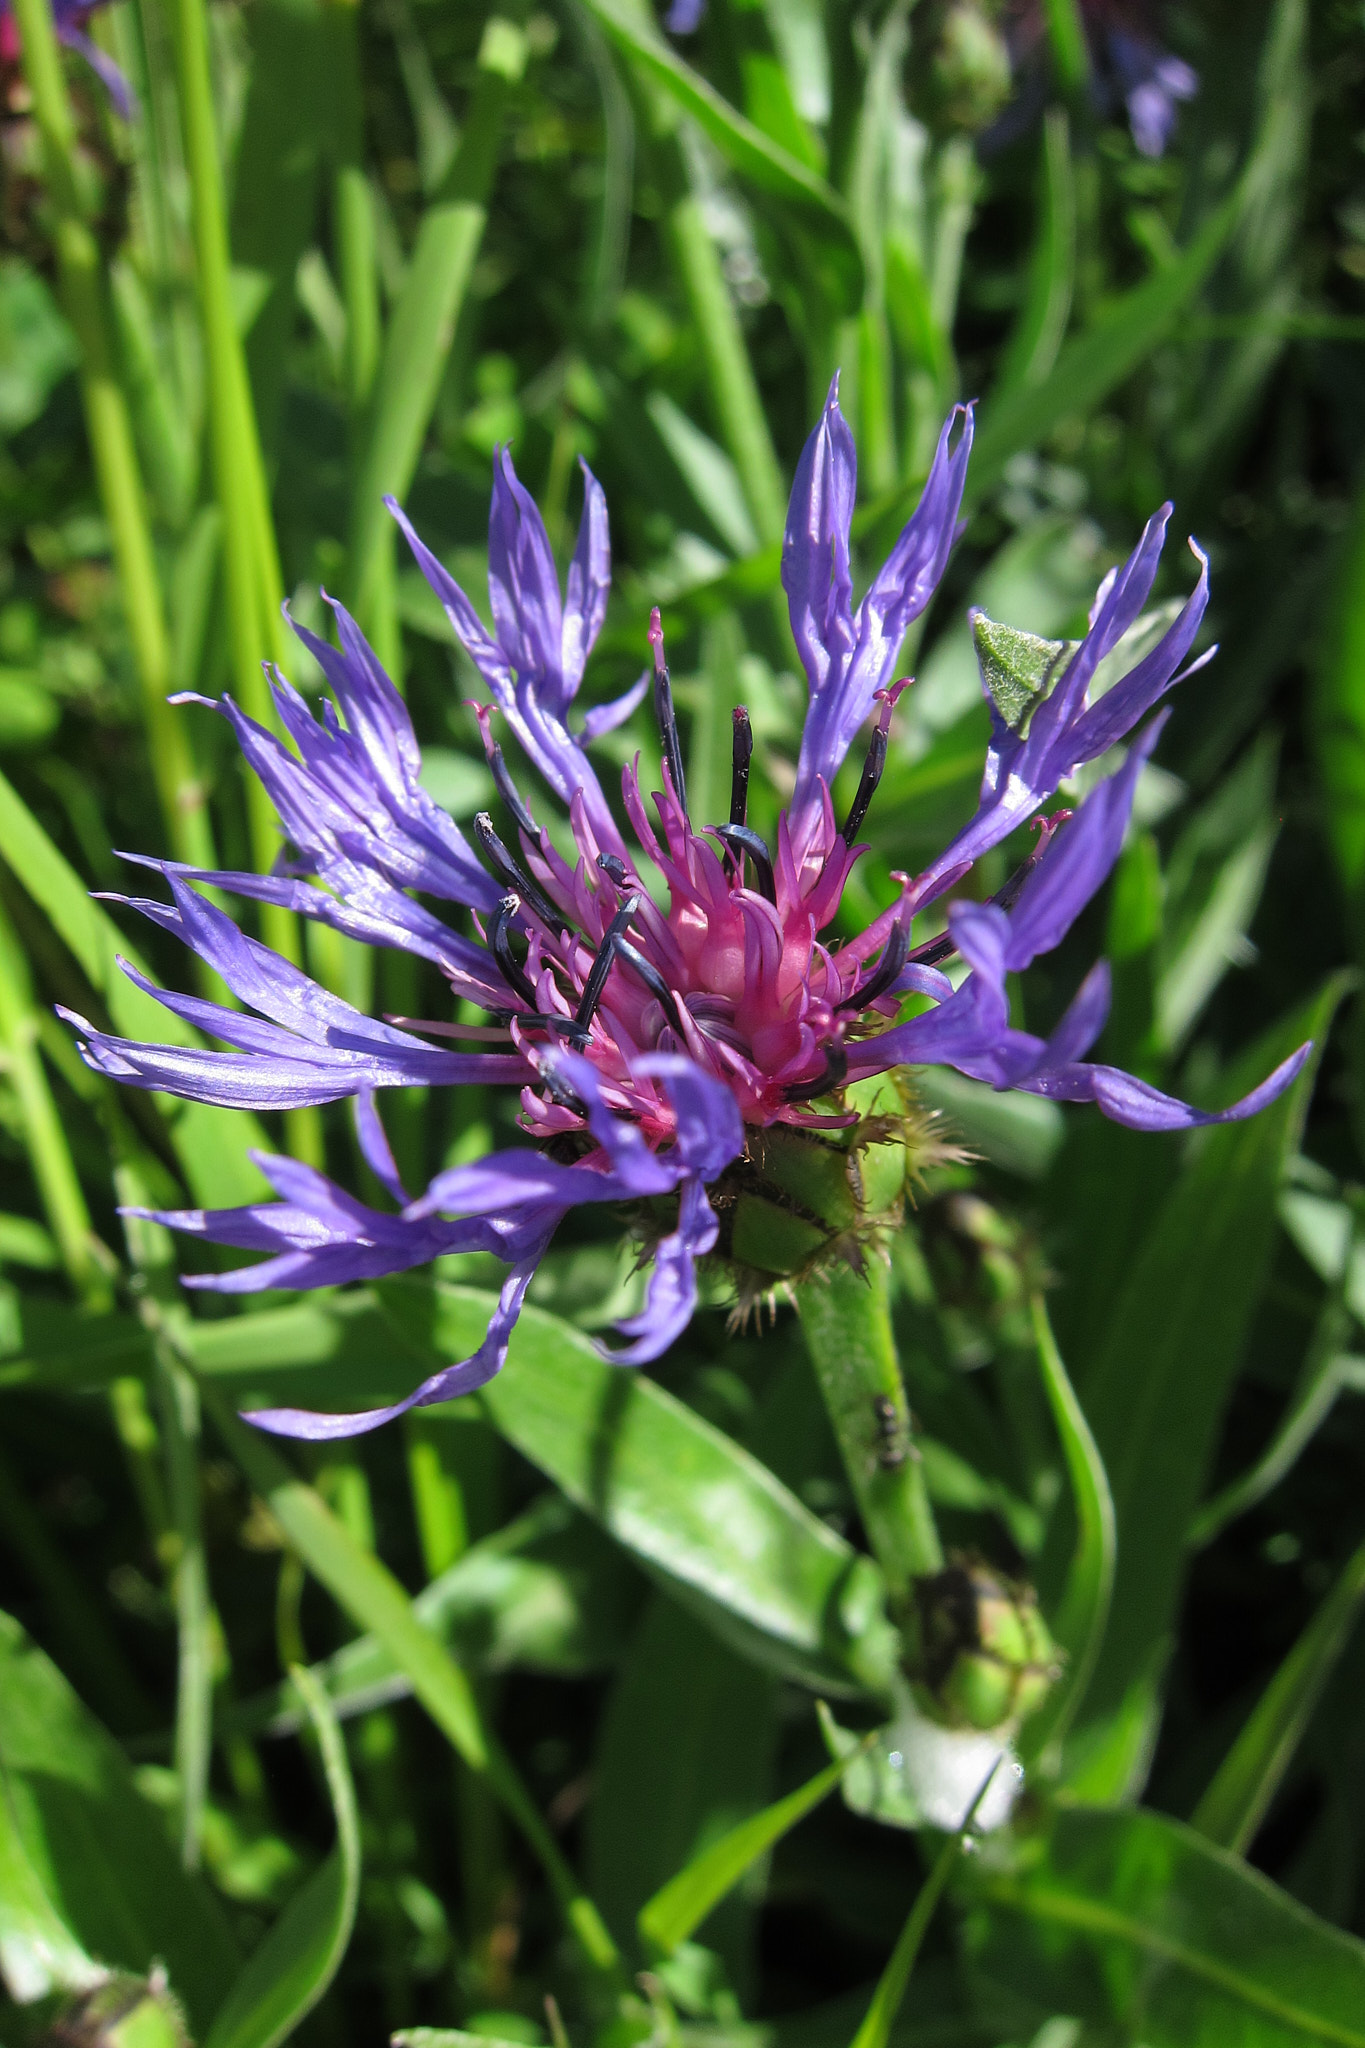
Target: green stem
{"points": [[45, 1140], [366, 1590], [85, 296], [178, 1400], [423, 321], [846, 1318], [254, 585], [1070, 55], [735, 397]]}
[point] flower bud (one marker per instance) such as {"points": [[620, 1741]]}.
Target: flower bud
{"points": [[802, 1199], [977, 1648], [123, 2012]]}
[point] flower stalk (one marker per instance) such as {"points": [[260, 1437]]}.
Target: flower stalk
{"points": [[85, 297], [846, 1319]]}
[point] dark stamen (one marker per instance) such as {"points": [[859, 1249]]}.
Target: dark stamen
{"points": [[934, 950], [741, 755], [507, 790], [631, 956], [873, 765], [559, 1089], [514, 975], [743, 839], [892, 961], [601, 966], [836, 1069], [513, 876], [613, 865], [665, 713], [1006, 898]]}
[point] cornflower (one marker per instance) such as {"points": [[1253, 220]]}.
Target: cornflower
{"points": [[70, 18], [659, 1045]]}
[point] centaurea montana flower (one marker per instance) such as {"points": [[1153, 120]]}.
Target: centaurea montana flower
{"points": [[70, 19], [658, 1050]]}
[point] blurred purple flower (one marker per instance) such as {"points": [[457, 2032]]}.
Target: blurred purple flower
{"points": [[1129, 69], [648, 1043], [70, 18]]}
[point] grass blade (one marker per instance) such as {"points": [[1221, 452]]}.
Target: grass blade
{"points": [[366, 1590], [424, 318], [300, 1956], [211, 1144], [1235, 1803], [1083, 1614], [678, 1908], [875, 2031]]}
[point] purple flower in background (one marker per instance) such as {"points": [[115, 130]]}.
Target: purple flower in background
{"points": [[1152, 83], [1130, 69], [70, 18], [653, 1033]]}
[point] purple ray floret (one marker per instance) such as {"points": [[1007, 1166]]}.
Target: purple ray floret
{"points": [[849, 655], [659, 1000]]}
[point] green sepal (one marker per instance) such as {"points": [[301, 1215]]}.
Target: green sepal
{"points": [[125, 2012], [1017, 669]]}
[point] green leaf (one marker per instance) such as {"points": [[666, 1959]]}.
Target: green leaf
{"points": [[38, 1952], [1032, 348], [301, 1954], [367, 1591], [98, 1851], [684, 1695], [768, 167], [1017, 669], [1157, 1388], [1094, 363], [1082, 1616], [302, 110], [1246, 1781], [679, 1908], [678, 1493], [37, 347], [211, 1144], [423, 322], [1338, 722], [887, 1999], [1132, 1919], [547, 1593], [1214, 881]]}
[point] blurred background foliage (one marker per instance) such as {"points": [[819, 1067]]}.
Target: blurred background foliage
{"points": [[339, 251]]}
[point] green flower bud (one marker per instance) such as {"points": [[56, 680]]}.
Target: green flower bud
{"points": [[977, 1648], [802, 1199], [971, 67], [123, 2012]]}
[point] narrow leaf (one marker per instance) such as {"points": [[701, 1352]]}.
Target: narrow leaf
{"points": [[211, 1144], [1156, 1391], [1246, 1781], [1138, 1922], [365, 1589], [97, 1849], [680, 1906], [1080, 1621], [1094, 363], [678, 1493], [748, 150], [875, 2031], [301, 1954]]}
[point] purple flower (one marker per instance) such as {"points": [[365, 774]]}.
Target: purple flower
{"points": [[69, 18], [1130, 70], [649, 1039], [1151, 83]]}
